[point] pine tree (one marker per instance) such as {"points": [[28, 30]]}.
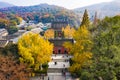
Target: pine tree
{"points": [[85, 20], [95, 19]]}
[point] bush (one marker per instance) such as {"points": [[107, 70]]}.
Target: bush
{"points": [[12, 29]]}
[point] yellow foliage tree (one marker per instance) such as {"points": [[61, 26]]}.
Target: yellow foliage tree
{"points": [[34, 50], [68, 31], [81, 49], [49, 34]]}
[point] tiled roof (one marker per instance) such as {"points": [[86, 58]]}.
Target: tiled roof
{"points": [[3, 43]]}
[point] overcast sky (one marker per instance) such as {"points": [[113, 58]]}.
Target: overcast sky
{"points": [[70, 4]]}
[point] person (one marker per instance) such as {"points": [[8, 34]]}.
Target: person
{"points": [[62, 70], [48, 78], [63, 65], [64, 73], [55, 63]]}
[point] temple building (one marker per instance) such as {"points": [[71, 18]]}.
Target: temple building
{"points": [[58, 45], [59, 39], [58, 24]]}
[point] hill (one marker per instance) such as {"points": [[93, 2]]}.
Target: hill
{"points": [[44, 13], [103, 9], [4, 5]]}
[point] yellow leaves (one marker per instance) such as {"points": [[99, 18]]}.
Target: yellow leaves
{"points": [[68, 46], [49, 34], [74, 67], [33, 49], [81, 60], [81, 33], [68, 31], [81, 49]]}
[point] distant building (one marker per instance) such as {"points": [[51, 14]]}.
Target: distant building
{"points": [[48, 25], [15, 35], [3, 32], [58, 24], [3, 43], [40, 25], [32, 22]]}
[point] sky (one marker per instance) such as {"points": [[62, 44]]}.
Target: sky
{"points": [[69, 4]]}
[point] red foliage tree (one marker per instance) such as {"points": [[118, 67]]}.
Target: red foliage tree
{"points": [[11, 69]]}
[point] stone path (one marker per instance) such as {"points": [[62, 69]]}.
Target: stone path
{"points": [[57, 69]]}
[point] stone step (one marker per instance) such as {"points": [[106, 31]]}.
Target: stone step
{"points": [[58, 74], [53, 70], [60, 60], [59, 65]]}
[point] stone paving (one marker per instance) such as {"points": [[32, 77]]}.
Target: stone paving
{"points": [[57, 68]]}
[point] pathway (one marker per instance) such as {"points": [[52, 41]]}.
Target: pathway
{"points": [[57, 69]]}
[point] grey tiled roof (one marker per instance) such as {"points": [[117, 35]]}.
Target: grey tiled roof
{"points": [[3, 43]]}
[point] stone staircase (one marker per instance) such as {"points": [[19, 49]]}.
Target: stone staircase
{"points": [[54, 70]]}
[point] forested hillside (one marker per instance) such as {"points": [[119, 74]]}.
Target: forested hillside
{"points": [[44, 13], [9, 21]]}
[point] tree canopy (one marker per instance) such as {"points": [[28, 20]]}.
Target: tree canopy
{"points": [[85, 20], [11, 69], [80, 50], [49, 34], [68, 31], [106, 51], [34, 50]]}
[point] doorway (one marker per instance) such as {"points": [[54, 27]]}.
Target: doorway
{"points": [[59, 51]]}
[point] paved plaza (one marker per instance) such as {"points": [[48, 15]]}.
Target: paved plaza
{"points": [[57, 68]]}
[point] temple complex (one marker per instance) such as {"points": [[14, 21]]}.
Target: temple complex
{"points": [[59, 38]]}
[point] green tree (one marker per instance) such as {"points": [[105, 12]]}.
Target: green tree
{"points": [[12, 29], [34, 50], [106, 51], [4, 23], [85, 20]]}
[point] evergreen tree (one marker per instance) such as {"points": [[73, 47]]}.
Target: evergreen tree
{"points": [[85, 20], [95, 19]]}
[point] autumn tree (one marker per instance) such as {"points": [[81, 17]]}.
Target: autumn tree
{"points": [[85, 20], [4, 23], [11, 69], [18, 19], [68, 31], [80, 50], [34, 50], [49, 34]]}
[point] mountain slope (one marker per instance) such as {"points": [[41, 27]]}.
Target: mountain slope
{"points": [[4, 5], [44, 13], [103, 9]]}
